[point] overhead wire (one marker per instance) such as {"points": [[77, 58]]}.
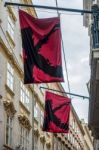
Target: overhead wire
{"points": [[64, 55]]}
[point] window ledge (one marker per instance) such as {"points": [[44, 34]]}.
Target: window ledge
{"points": [[35, 120], [24, 121], [24, 107], [0, 21], [11, 11], [7, 147], [9, 90], [10, 39]]}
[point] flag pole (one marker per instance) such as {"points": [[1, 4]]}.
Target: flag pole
{"points": [[65, 63], [51, 8], [77, 95]]}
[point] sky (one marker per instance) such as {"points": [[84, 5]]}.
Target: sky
{"points": [[76, 45]]}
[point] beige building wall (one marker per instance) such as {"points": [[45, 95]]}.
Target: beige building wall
{"points": [[88, 139], [16, 103]]}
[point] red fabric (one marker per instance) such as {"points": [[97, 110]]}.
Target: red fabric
{"points": [[48, 56], [56, 116]]}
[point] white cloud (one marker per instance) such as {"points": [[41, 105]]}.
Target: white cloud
{"points": [[85, 60]]}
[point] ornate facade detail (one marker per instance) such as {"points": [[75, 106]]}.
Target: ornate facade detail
{"points": [[48, 144], [0, 96], [24, 121], [0, 21], [42, 138], [6, 147], [11, 11], [36, 132], [63, 140], [9, 107], [37, 97]]}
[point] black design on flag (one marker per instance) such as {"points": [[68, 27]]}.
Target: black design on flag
{"points": [[56, 116], [41, 42]]}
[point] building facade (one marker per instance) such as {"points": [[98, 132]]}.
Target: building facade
{"points": [[87, 137], [22, 106], [92, 23]]}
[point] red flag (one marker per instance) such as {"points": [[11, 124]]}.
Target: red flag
{"points": [[56, 116], [41, 42]]}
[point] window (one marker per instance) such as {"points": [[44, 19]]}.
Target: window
{"points": [[9, 128], [94, 1], [55, 143], [69, 136], [36, 111], [59, 145], [41, 145], [10, 76], [35, 142], [25, 96], [10, 27], [42, 118], [24, 138]]}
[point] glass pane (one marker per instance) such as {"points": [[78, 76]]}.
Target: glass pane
{"points": [[7, 134]]}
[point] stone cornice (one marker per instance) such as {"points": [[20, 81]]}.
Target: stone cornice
{"points": [[48, 144], [9, 107], [6, 147], [24, 121], [24, 108], [9, 90], [36, 132], [42, 138], [12, 13], [0, 21], [38, 99]]}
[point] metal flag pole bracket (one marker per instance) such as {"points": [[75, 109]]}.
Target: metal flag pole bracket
{"points": [[51, 8], [84, 97]]}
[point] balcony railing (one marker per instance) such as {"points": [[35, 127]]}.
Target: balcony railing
{"points": [[95, 27]]}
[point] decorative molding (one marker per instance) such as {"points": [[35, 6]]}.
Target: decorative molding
{"points": [[6, 147], [42, 138], [0, 96], [9, 90], [10, 39], [63, 140], [37, 97], [59, 136], [12, 13], [0, 21], [9, 107], [24, 108], [24, 121], [48, 144], [36, 132]]}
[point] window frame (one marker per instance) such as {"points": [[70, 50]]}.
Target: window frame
{"points": [[10, 27], [24, 96], [36, 111], [10, 76], [9, 129], [24, 138]]}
